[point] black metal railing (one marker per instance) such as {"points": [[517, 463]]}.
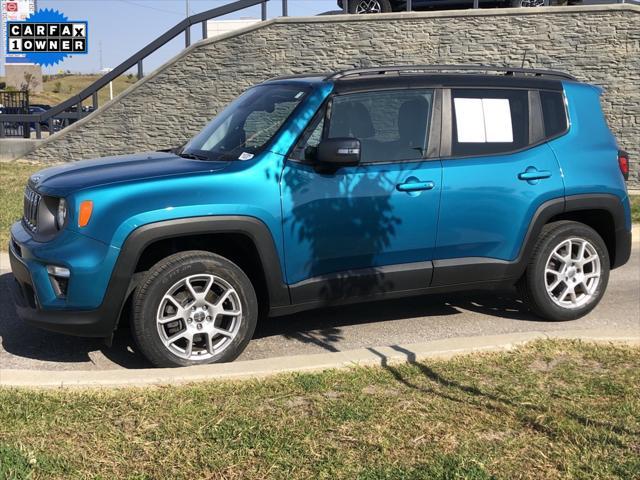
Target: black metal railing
{"points": [[59, 116]]}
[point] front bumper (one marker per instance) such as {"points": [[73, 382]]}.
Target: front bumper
{"points": [[85, 323], [86, 310]]}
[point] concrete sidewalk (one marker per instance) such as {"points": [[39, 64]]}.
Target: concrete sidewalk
{"points": [[378, 356]]}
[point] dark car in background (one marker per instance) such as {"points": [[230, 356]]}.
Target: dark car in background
{"points": [[383, 6]]}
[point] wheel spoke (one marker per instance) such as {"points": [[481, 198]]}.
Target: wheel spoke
{"points": [[223, 298], [581, 251], [555, 284], [189, 348], [175, 337], [172, 318], [223, 332]]}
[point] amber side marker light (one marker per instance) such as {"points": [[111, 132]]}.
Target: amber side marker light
{"points": [[86, 208]]}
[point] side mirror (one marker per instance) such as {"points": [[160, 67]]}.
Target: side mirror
{"points": [[339, 152]]}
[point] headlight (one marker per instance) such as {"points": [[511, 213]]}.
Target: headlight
{"points": [[61, 214]]}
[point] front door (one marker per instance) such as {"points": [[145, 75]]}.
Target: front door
{"points": [[370, 229]]}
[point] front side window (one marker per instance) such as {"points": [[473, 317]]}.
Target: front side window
{"points": [[489, 121], [391, 125], [245, 127]]}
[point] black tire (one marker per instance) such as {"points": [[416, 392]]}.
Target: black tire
{"points": [[356, 5], [532, 286], [167, 273]]}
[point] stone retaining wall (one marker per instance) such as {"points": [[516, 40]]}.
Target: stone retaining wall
{"points": [[597, 44]]}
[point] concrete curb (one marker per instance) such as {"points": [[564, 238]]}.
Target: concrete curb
{"points": [[253, 369]]}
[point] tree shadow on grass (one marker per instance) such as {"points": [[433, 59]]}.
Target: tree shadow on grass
{"points": [[484, 400]]}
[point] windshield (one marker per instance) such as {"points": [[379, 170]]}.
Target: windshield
{"points": [[243, 128]]}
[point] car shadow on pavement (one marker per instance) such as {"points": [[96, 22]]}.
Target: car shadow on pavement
{"points": [[21, 340], [321, 327]]}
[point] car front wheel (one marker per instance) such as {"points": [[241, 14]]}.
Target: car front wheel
{"points": [[194, 308], [568, 272]]}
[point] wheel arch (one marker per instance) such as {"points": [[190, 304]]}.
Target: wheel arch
{"points": [[244, 240], [602, 212]]}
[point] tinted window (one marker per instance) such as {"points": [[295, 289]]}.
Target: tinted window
{"points": [[489, 121], [553, 111], [391, 125]]}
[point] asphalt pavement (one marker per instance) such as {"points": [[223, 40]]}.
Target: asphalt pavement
{"points": [[387, 323]]}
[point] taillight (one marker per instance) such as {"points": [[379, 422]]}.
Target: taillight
{"points": [[623, 163]]}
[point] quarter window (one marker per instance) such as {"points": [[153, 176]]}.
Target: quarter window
{"points": [[489, 121], [553, 111], [391, 125]]}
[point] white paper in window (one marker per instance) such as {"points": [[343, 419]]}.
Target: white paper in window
{"points": [[497, 120], [470, 120]]}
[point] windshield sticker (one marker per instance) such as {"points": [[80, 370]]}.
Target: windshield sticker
{"points": [[245, 156]]}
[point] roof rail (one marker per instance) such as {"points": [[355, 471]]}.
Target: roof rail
{"points": [[399, 69]]}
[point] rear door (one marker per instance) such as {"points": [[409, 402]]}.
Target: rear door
{"points": [[497, 170]]}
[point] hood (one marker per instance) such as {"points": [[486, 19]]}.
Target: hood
{"points": [[73, 176]]}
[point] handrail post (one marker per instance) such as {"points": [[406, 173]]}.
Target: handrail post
{"points": [[1, 129], [409, 6], [38, 130], [187, 36], [345, 6], [95, 100], [263, 8], [476, 3], [205, 33], [285, 8], [140, 72]]}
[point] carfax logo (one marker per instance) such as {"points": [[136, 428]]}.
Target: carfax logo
{"points": [[47, 37]]}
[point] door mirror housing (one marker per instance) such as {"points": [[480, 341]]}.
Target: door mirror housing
{"points": [[339, 152]]}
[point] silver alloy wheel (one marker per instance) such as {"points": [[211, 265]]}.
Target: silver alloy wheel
{"points": [[199, 316], [368, 6], [572, 273], [532, 3]]}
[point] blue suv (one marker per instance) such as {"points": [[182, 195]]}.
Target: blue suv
{"points": [[318, 190]]}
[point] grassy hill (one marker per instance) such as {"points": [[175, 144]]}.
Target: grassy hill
{"points": [[58, 88]]}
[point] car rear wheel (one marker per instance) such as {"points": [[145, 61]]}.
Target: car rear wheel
{"points": [[194, 308], [527, 3], [568, 272], [369, 6]]}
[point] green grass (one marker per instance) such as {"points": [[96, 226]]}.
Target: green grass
{"points": [[13, 178], [635, 208], [551, 410]]}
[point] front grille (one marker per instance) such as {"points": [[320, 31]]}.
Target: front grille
{"points": [[31, 205]]}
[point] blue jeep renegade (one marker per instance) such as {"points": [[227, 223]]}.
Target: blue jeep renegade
{"points": [[324, 189]]}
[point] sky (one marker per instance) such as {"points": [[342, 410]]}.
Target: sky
{"points": [[119, 28]]}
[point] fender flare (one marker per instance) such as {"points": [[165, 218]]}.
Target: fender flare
{"points": [[121, 283], [609, 203]]}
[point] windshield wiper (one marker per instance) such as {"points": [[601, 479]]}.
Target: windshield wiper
{"points": [[192, 156]]}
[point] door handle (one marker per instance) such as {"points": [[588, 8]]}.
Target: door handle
{"points": [[532, 173], [414, 186]]}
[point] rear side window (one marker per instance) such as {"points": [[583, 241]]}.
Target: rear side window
{"points": [[554, 114], [391, 125], [489, 121]]}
